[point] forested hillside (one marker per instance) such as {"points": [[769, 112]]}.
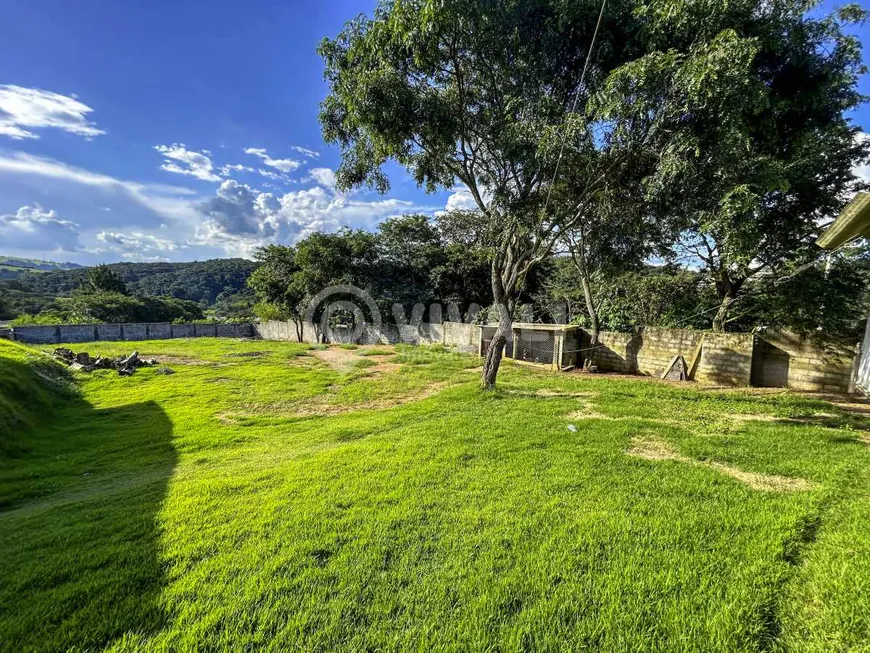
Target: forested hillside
{"points": [[206, 282], [11, 267]]}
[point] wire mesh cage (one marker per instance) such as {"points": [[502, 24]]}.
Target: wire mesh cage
{"points": [[534, 346]]}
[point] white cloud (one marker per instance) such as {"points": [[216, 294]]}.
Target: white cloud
{"points": [[180, 160], [32, 228], [227, 170], [166, 201], [138, 246], [135, 240], [239, 210], [274, 176], [284, 165], [461, 199], [233, 221], [240, 219], [304, 151], [323, 176], [25, 109]]}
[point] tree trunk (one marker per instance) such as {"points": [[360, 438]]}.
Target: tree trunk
{"points": [[728, 289], [300, 329], [594, 324], [722, 313], [496, 347]]}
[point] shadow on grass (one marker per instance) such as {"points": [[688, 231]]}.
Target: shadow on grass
{"points": [[79, 533]]}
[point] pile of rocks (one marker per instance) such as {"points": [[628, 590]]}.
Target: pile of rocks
{"points": [[125, 365]]}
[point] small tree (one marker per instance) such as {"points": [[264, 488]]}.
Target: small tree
{"points": [[102, 278], [278, 286]]}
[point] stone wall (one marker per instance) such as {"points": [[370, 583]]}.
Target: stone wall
{"points": [[784, 360], [73, 333]]}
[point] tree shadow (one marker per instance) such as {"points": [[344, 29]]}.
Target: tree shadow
{"points": [[80, 560]]}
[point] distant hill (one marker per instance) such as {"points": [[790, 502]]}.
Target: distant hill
{"points": [[205, 282], [14, 262]]}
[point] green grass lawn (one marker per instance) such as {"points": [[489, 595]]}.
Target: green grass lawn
{"points": [[269, 495]]}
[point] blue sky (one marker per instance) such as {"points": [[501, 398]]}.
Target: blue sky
{"points": [[175, 130]]}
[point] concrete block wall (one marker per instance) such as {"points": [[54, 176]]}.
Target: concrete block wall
{"points": [[783, 359], [74, 333], [732, 359], [726, 359], [135, 331], [464, 337], [183, 331], [77, 333], [285, 330], [106, 332], [159, 331]]}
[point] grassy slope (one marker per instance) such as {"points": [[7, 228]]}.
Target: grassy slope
{"points": [[216, 508]]}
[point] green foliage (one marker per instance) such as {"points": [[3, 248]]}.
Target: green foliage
{"points": [[101, 278], [85, 307], [266, 311], [408, 260], [44, 317], [201, 281], [754, 146], [825, 303]]}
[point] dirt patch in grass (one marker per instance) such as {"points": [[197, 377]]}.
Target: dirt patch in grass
{"points": [[829, 420], [586, 411], [652, 448], [655, 449], [856, 407], [766, 482], [346, 360], [248, 354]]}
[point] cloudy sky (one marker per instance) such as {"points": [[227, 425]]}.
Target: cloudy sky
{"points": [[175, 130]]}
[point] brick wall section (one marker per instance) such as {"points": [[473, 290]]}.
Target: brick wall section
{"points": [[782, 359], [77, 333], [106, 332], [182, 331], [37, 335]]}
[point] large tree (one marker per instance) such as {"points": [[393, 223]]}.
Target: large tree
{"points": [[475, 91], [753, 173]]}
